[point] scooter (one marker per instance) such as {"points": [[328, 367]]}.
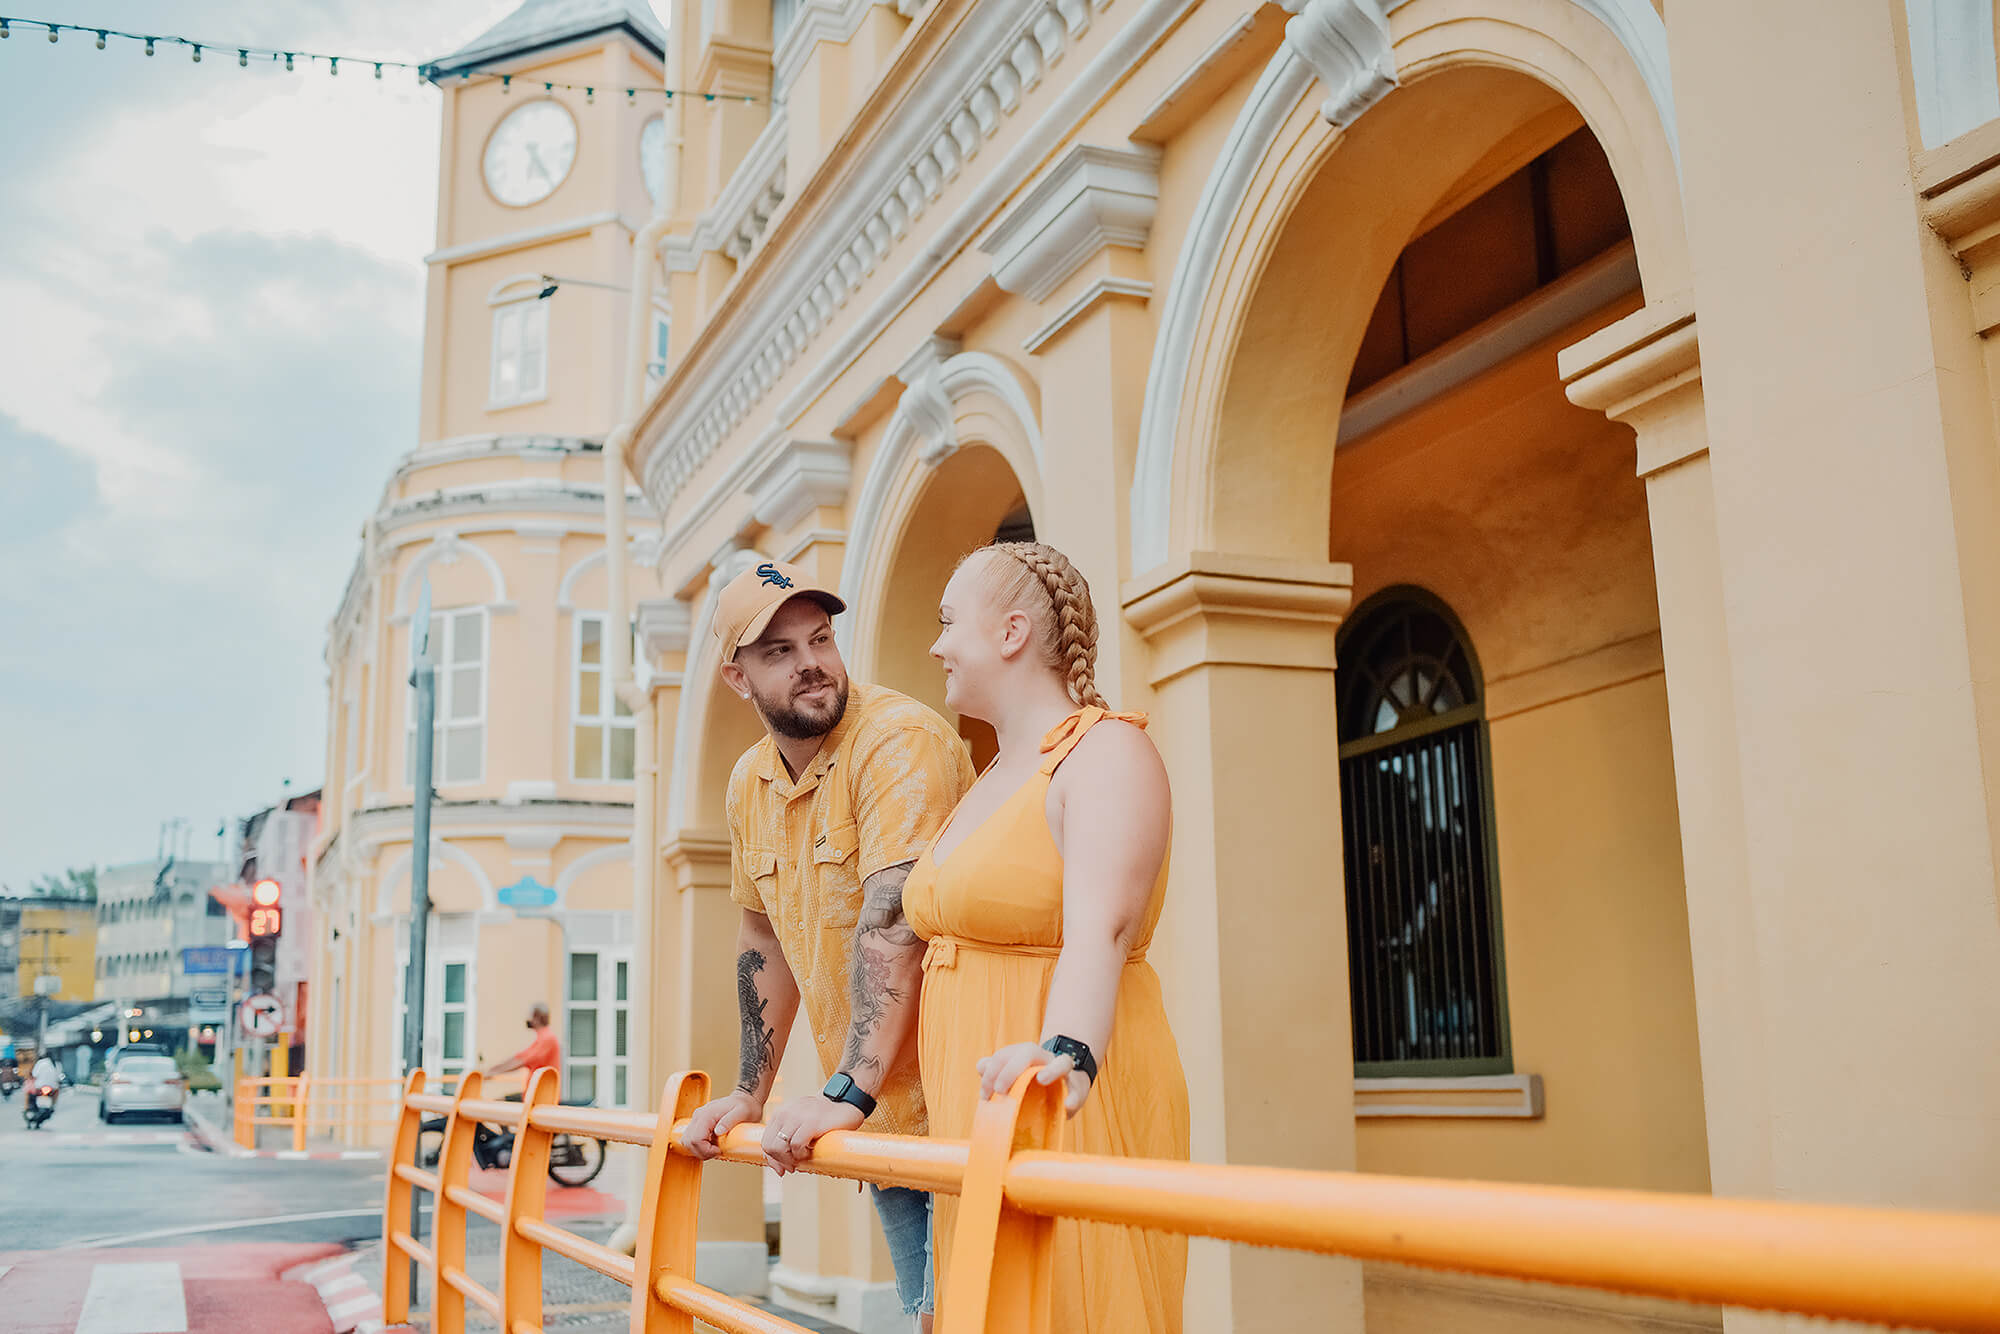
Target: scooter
{"points": [[10, 1080], [40, 1106]]}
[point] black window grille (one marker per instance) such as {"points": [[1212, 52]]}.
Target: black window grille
{"points": [[1423, 922]]}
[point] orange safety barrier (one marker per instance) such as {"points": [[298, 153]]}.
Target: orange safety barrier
{"points": [[305, 1103], [1881, 1266]]}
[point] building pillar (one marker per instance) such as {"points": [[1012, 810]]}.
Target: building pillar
{"points": [[1240, 655], [1645, 371], [1835, 349], [696, 929]]}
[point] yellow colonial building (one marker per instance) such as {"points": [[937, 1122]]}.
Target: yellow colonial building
{"points": [[500, 507], [1535, 460]]}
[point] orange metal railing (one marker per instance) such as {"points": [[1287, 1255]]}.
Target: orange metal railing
{"points": [[1894, 1267], [305, 1105]]}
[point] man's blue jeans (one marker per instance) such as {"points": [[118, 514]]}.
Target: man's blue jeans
{"points": [[906, 1225]]}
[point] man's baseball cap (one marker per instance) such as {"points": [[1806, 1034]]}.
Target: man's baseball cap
{"points": [[754, 596]]}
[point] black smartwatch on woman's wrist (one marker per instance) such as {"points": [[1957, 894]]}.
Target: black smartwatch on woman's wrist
{"points": [[1078, 1053]]}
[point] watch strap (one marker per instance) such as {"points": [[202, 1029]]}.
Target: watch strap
{"points": [[842, 1088], [1078, 1053]]}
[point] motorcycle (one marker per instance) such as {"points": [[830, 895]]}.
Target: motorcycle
{"points": [[40, 1106], [574, 1160], [10, 1080]]}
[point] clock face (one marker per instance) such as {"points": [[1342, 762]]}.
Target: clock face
{"points": [[530, 153], [653, 155]]}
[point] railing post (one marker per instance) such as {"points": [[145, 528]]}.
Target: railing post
{"points": [[1000, 1256], [396, 1265], [448, 1221], [301, 1091], [246, 1132], [527, 1192], [668, 1212]]}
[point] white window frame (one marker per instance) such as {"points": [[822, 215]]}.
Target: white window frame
{"points": [[607, 1063], [607, 719], [444, 643], [451, 939], [657, 353], [522, 321]]}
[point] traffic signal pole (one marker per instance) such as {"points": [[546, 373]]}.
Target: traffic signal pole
{"points": [[423, 676]]}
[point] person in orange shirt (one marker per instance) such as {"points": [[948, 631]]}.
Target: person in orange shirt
{"points": [[542, 1049], [826, 815]]}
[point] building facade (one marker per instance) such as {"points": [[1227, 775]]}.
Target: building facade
{"points": [[47, 948], [1535, 461], [147, 913], [499, 510]]}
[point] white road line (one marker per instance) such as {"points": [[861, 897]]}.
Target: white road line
{"points": [[361, 1153], [4, 1269], [134, 1299], [293, 1154], [128, 1237], [355, 1307]]}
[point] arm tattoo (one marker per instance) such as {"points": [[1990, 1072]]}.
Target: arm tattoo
{"points": [[759, 1041], [880, 935]]}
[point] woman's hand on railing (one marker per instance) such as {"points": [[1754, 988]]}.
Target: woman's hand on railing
{"points": [[998, 1072], [712, 1120]]}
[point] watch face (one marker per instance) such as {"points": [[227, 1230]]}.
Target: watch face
{"points": [[653, 155], [838, 1086], [530, 153]]}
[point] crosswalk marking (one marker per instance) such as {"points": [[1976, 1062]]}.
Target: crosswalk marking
{"points": [[141, 1298]]}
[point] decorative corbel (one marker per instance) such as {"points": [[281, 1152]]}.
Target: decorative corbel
{"points": [[1347, 44], [925, 404]]}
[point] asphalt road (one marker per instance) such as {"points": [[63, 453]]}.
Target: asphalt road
{"points": [[77, 1182]]}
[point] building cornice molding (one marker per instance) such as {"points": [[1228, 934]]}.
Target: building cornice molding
{"points": [[816, 21], [804, 475], [514, 496], [372, 827], [951, 99], [1216, 609], [665, 625], [735, 223], [553, 231], [1093, 197], [1645, 371], [1100, 290]]}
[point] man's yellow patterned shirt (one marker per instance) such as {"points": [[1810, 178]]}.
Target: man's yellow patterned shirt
{"points": [[883, 784]]}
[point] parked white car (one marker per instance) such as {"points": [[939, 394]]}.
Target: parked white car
{"points": [[142, 1085]]}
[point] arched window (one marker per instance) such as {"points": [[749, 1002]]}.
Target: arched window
{"points": [[1423, 902]]}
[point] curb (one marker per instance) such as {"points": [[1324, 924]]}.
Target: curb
{"points": [[352, 1306], [215, 1141]]}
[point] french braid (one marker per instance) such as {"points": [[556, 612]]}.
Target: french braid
{"points": [[1069, 625]]}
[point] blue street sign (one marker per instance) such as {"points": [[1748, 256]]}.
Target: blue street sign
{"points": [[206, 959], [527, 892]]}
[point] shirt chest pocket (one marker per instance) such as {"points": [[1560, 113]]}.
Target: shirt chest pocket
{"points": [[763, 870], [836, 867]]}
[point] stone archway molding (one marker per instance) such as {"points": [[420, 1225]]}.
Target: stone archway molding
{"points": [[441, 851], [448, 547], [1347, 47], [588, 861], [701, 680], [925, 430]]}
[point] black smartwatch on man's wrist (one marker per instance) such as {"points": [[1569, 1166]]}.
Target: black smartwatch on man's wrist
{"points": [[1078, 1053], [842, 1088]]}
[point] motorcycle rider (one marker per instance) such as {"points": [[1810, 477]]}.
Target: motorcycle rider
{"points": [[47, 1075]]}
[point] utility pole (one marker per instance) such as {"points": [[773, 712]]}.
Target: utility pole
{"points": [[423, 676]]}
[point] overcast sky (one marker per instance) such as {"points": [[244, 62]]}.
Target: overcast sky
{"points": [[211, 306]]}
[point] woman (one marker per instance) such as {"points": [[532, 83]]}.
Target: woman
{"points": [[1038, 898]]}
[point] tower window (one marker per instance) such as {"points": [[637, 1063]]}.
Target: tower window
{"points": [[520, 354]]}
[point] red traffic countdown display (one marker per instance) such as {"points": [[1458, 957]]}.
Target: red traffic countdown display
{"points": [[266, 921]]}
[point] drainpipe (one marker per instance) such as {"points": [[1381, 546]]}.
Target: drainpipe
{"points": [[618, 644]]}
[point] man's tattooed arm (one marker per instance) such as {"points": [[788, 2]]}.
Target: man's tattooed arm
{"points": [[887, 975], [767, 996]]}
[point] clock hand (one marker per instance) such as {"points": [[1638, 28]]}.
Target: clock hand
{"points": [[536, 158]]}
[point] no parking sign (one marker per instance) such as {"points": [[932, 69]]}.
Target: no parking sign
{"points": [[263, 1015]]}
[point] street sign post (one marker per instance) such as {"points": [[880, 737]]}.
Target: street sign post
{"points": [[423, 676], [263, 1015], [206, 959], [208, 1005]]}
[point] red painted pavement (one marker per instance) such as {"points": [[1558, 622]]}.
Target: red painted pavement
{"points": [[229, 1289], [562, 1202]]}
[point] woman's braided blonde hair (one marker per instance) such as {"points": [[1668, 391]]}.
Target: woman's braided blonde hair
{"points": [[1036, 578]]}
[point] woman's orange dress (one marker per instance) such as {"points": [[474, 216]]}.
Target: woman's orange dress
{"points": [[993, 916]]}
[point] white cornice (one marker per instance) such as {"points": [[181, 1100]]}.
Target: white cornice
{"points": [[664, 626], [1102, 289], [1091, 198], [803, 476], [553, 231], [537, 495], [997, 55], [370, 828]]}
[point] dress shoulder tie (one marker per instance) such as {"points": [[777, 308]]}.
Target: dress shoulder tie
{"points": [[1063, 737]]}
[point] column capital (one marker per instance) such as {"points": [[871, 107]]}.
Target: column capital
{"points": [[1214, 608], [697, 859], [1645, 371]]}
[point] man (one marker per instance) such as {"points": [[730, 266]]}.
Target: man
{"points": [[826, 816], [541, 1050]]}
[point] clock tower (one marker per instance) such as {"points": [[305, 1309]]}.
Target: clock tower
{"points": [[543, 173]]}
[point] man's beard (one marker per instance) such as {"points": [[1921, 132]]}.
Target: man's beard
{"points": [[804, 722]]}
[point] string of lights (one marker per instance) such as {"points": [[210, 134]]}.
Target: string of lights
{"points": [[246, 52]]}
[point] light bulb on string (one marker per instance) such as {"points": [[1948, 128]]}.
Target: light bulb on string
{"points": [[52, 34], [506, 83], [4, 33], [378, 69], [149, 46], [101, 34], [243, 59], [631, 97], [288, 62], [333, 66], [197, 55], [590, 97], [548, 87]]}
